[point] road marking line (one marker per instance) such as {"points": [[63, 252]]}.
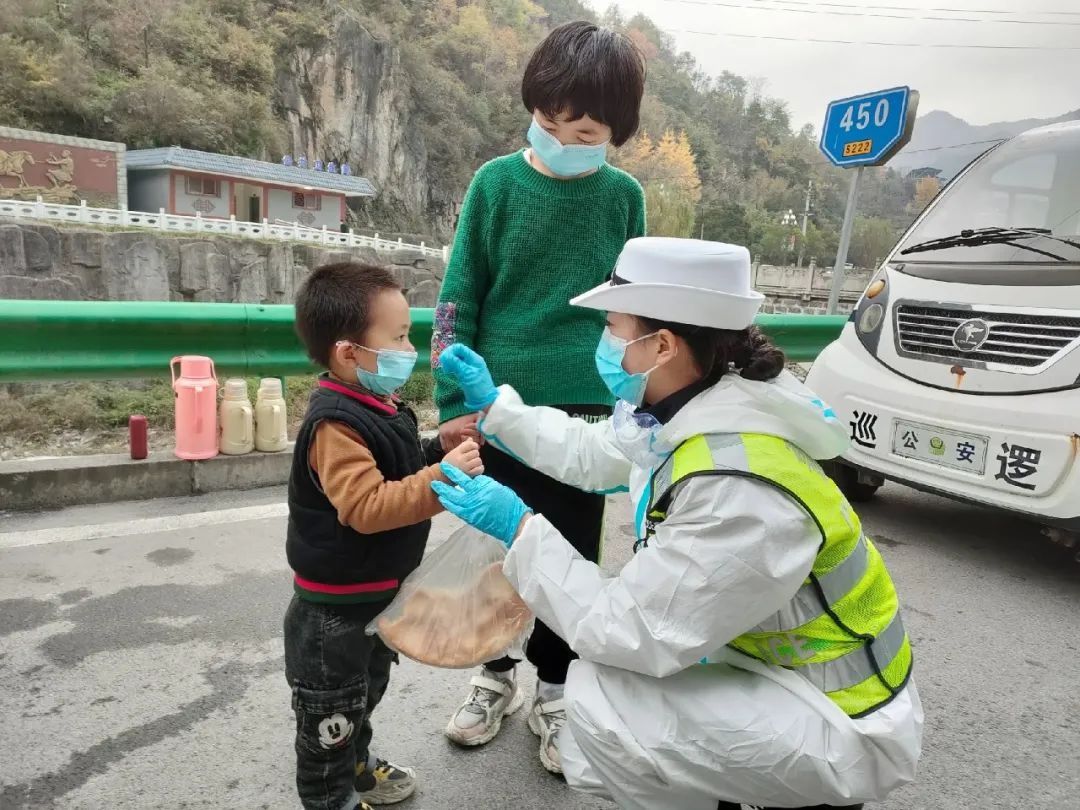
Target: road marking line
{"points": [[154, 525]]}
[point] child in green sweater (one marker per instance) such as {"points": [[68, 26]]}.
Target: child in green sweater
{"points": [[537, 228]]}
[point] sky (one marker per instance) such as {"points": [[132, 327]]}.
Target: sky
{"points": [[979, 86]]}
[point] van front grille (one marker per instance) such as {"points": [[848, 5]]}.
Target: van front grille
{"points": [[1019, 340]]}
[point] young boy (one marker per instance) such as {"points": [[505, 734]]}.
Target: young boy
{"points": [[360, 505], [537, 228]]}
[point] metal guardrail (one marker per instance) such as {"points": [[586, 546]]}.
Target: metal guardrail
{"points": [[63, 340], [802, 337], [180, 223]]}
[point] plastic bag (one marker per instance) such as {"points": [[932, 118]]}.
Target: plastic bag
{"points": [[457, 610]]}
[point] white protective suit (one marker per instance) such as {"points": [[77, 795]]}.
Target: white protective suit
{"points": [[649, 725]]}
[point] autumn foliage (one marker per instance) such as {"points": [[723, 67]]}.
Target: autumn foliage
{"points": [[668, 172]]}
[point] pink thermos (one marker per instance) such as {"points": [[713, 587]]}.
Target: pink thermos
{"points": [[196, 407]]}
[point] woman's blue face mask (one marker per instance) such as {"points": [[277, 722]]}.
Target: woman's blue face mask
{"points": [[566, 160], [609, 363]]}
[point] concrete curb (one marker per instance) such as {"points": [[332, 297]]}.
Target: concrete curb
{"points": [[50, 483]]}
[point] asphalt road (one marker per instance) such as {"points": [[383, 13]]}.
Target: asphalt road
{"points": [[141, 664]]}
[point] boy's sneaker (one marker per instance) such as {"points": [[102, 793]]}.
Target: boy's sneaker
{"points": [[494, 696], [545, 721], [384, 783]]}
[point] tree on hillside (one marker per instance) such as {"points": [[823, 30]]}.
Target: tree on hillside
{"points": [[820, 244], [871, 239], [215, 74], [926, 188], [885, 194], [667, 171], [151, 73], [564, 11], [725, 223]]}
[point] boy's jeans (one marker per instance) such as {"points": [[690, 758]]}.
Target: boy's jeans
{"points": [[338, 676]]}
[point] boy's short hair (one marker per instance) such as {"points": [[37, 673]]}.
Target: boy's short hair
{"points": [[334, 303], [583, 69]]}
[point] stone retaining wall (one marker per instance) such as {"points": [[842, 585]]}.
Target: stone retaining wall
{"points": [[805, 290], [59, 263]]}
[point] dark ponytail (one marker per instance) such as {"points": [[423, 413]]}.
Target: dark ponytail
{"points": [[749, 351]]}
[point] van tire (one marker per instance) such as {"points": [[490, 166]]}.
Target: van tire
{"points": [[847, 479]]}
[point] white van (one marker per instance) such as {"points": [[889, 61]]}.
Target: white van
{"points": [[959, 370]]}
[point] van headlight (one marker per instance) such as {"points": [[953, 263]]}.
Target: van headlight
{"points": [[869, 315], [870, 318]]}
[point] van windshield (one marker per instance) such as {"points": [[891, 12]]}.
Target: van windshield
{"points": [[1019, 204]]}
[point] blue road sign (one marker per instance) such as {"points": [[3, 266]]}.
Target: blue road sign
{"points": [[869, 129]]}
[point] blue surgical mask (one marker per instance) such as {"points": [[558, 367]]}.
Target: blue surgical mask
{"points": [[609, 362], [566, 160], [394, 369]]}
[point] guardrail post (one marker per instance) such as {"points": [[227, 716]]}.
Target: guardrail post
{"points": [[161, 219], [232, 223], [296, 231], [198, 221], [39, 207], [84, 212], [445, 254], [324, 234]]}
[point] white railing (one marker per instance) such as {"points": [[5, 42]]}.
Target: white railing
{"points": [[174, 223]]}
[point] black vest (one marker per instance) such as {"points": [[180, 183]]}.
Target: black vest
{"points": [[319, 548]]}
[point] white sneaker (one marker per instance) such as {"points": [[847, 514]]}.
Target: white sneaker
{"points": [[545, 721], [380, 782], [494, 696]]}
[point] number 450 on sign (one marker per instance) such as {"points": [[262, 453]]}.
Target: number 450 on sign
{"points": [[867, 130]]}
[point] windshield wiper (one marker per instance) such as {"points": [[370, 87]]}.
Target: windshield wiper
{"points": [[993, 236]]}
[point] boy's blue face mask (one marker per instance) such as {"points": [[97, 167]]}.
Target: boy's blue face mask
{"points": [[566, 160], [609, 363], [394, 370]]}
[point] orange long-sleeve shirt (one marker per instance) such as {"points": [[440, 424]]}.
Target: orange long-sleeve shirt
{"points": [[365, 501]]}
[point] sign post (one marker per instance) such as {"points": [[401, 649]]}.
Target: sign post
{"points": [[863, 131], [839, 267]]}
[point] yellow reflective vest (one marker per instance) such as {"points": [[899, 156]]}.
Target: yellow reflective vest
{"points": [[842, 629]]}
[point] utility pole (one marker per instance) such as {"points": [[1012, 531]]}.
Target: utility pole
{"points": [[805, 218]]}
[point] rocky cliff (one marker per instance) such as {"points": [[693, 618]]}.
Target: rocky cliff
{"points": [[347, 99], [68, 264]]}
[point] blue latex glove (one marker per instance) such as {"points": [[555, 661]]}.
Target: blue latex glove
{"points": [[481, 502], [471, 373]]}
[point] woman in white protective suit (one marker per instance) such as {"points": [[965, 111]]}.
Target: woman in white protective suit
{"points": [[752, 651]]}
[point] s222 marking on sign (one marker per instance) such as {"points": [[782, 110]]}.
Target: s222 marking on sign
{"points": [[863, 433], [856, 148]]}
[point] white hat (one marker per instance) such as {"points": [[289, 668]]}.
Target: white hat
{"points": [[682, 281]]}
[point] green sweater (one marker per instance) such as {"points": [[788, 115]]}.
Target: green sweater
{"points": [[525, 245]]}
